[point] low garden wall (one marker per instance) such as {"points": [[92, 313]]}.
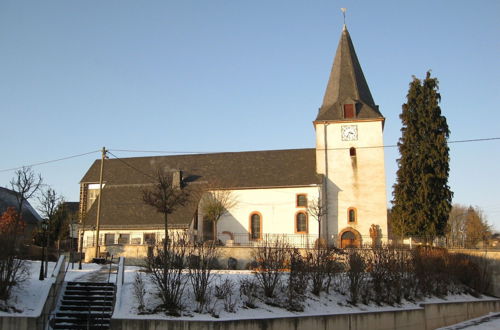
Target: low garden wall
{"points": [[428, 316]]}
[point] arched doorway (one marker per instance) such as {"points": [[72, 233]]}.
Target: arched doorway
{"points": [[350, 238]]}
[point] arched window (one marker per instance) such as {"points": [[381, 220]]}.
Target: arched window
{"points": [[352, 152], [352, 217], [301, 223], [255, 226]]}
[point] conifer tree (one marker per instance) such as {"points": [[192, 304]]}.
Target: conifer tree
{"points": [[422, 197]]}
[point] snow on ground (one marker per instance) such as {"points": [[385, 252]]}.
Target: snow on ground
{"points": [[333, 303], [487, 322], [29, 297]]}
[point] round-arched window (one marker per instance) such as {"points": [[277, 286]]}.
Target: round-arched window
{"points": [[255, 226], [301, 223]]}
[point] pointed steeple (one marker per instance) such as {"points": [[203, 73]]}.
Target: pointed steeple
{"points": [[347, 87]]}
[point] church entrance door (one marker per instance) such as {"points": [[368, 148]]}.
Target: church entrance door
{"points": [[349, 240]]}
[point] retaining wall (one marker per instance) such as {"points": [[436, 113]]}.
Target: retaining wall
{"points": [[428, 316]]}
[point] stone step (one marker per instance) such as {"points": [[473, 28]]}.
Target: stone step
{"points": [[88, 298], [83, 315], [91, 285], [77, 320], [89, 304], [86, 308], [89, 289], [87, 293], [80, 326]]}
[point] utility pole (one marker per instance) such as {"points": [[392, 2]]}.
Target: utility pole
{"points": [[104, 151]]}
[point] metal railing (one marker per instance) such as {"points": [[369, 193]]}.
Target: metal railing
{"points": [[249, 240]]}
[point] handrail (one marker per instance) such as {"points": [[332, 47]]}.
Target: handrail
{"points": [[109, 270], [119, 282]]}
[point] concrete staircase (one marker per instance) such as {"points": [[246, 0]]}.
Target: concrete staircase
{"points": [[85, 305]]}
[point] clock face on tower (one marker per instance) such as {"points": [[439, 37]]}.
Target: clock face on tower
{"points": [[349, 132]]}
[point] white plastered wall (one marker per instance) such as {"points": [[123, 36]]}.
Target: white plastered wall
{"points": [[357, 182], [278, 209]]}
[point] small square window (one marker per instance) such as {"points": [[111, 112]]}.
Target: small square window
{"points": [[302, 200], [124, 239], [109, 239], [348, 110]]}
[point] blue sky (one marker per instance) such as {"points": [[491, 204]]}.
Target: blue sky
{"points": [[207, 76]]}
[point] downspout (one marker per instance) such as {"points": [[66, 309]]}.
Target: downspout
{"points": [[325, 179]]}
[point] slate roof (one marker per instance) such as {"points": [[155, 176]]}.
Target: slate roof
{"points": [[252, 169], [8, 199], [122, 206], [347, 84], [126, 178]]}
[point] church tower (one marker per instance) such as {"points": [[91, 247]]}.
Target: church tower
{"points": [[349, 154]]}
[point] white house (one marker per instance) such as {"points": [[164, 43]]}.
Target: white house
{"points": [[273, 190]]}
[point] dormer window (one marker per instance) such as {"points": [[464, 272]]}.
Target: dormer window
{"points": [[348, 111]]}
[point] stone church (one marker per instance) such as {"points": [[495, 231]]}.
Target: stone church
{"points": [[275, 192]]}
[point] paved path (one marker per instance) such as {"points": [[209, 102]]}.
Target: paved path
{"points": [[100, 275]]}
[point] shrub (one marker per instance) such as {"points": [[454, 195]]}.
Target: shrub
{"points": [[249, 292], [298, 280], [432, 276], [387, 267], [200, 270], [166, 271], [139, 292], [13, 270], [224, 291], [470, 271], [271, 259], [355, 275]]}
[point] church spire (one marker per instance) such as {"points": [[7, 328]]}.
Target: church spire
{"points": [[347, 86]]}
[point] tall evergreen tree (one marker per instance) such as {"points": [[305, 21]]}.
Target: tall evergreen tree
{"points": [[422, 197]]}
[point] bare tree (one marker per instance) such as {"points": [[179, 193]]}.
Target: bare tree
{"points": [[165, 197], [476, 227], [216, 203], [49, 202], [25, 184], [317, 209], [12, 269], [467, 226], [455, 227]]}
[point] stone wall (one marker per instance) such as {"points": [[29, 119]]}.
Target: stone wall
{"points": [[428, 316]]}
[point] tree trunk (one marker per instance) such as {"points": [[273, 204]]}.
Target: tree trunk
{"points": [[165, 247], [214, 231]]}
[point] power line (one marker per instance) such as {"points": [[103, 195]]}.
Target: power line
{"points": [[343, 148], [163, 151], [48, 161], [210, 152], [132, 167]]}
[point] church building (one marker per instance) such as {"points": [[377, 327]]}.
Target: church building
{"points": [[274, 192]]}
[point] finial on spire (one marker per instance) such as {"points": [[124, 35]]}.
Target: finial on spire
{"points": [[343, 13]]}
